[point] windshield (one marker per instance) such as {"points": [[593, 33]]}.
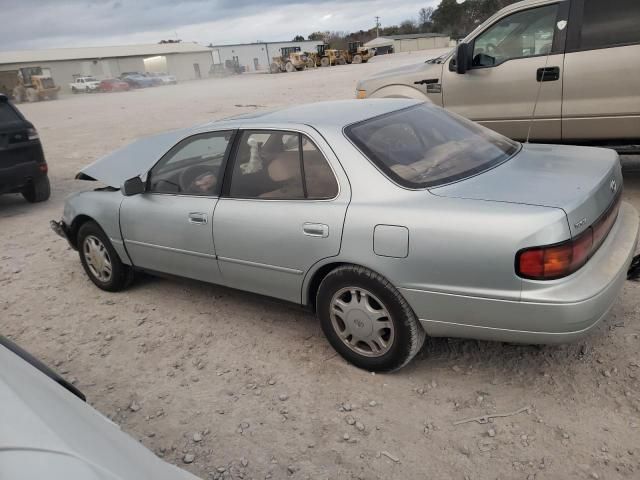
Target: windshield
{"points": [[425, 146]]}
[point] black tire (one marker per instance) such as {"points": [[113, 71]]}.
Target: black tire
{"points": [[121, 274], [38, 190], [408, 335], [74, 90]]}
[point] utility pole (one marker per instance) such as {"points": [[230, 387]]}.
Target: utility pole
{"points": [[377, 26]]}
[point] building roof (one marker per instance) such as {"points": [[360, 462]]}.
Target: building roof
{"points": [[416, 35], [55, 54], [318, 42]]}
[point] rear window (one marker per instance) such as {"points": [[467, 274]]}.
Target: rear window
{"points": [[8, 114], [425, 146]]}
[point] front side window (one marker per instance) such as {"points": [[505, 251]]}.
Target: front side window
{"points": [[522, 34], [610, 23], [280, 165], [193, 166], [426, 146]]}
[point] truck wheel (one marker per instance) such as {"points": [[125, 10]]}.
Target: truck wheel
{"points": [[324, 62], [311, 63], [74, 90], [366, 320], [100, 260], [341, 61], [37, 190], [274, 68], [357, 59], [289, 67], [32, 95]]}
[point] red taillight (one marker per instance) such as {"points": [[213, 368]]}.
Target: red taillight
{"points": [[43, 167], [557, 261]]}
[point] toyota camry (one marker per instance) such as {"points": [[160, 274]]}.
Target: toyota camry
{"points": [[392, 219]]}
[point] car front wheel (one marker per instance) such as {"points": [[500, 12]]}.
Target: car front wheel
{"points": [[366, 319], [100, 260]]}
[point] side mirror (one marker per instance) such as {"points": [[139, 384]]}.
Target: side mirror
{"points": [[133, 186], [463, 58]]}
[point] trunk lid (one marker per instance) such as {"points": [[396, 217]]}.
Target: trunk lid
{"points": [[582, 181]]}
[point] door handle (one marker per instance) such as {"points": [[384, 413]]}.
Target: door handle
{"points": [[548, 74], [198, 218], [316, 230]]}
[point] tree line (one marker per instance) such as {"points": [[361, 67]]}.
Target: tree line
{"points": [[449, 17]]}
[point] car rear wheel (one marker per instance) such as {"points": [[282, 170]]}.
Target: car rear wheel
{"points": [[366, 320], [100, 260], [37, 190]]}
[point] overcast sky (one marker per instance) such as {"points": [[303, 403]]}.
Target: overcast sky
{"points": [[28, 24]]}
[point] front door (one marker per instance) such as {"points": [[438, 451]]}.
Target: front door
{"points": [[516, 75], [169, 227], [282, 210]]}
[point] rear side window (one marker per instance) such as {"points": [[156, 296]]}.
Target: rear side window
{"points": [[280, 165], [610, 23], [425, 146], [8, 114]]}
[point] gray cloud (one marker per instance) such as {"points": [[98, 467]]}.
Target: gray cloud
{"points": [[69, 23]]}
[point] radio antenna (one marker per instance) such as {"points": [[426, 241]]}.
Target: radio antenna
{"points": [[561, 26]]}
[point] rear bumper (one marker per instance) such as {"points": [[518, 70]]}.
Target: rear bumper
{"points": [[21, 165], [549, 312]]}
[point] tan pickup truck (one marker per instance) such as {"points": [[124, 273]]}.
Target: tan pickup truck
{"points": [[571, 65]]}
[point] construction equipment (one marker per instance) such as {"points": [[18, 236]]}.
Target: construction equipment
{"points": [[356, 53], [324, 57], [291, 60], [30, 83]]}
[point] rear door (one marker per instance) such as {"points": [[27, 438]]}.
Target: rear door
{"points": [[517, 61], [602, 71], [282, 210], [168, 228]]}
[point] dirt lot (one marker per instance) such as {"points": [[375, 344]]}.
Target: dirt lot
{"points": [[250, 387]]}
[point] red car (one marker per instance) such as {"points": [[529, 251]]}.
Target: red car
{"points": [[113, 85]]}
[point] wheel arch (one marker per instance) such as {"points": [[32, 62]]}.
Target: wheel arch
{"points": [[319, 272], [399, 91]]}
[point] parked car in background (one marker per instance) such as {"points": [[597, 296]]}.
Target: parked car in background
{"points": [[391, 218], [165, 78], [85, 84], [113, 85], [572, 65], [23, 168], [137, 80], [154, 79], [49, 431]]}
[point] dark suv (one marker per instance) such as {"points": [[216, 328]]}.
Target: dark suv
{"points": [[23, 168]]}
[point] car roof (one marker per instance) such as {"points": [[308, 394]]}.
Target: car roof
{"points": [[321, 114]]}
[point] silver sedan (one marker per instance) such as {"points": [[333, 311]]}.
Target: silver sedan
{"points": [[391, 219]]}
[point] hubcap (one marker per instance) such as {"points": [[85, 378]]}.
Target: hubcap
{"points": [[97, 258], [362, 322]]}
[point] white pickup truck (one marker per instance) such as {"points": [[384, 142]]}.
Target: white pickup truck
{"points": [[85, 84]]}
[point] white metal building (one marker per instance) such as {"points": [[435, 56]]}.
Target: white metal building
{"points": [[187, 61], [256, 57], [410, 42]]}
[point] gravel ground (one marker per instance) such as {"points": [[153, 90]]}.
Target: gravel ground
{"points": [[233, 385]]}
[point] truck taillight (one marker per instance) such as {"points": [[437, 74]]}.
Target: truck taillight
{"points": [[33, 134], [556, 261]]}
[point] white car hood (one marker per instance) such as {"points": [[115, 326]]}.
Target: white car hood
{"points": [[47, 432], [133, 160]]}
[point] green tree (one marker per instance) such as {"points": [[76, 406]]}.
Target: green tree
{"points": [[298, 38]]}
